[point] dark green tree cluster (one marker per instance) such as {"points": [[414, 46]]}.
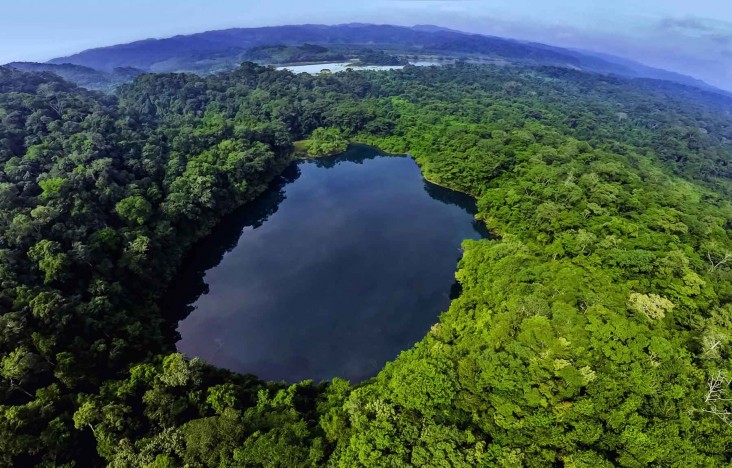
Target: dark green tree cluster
{"points": [[594, 329], [280, 53], [98, 206], [379, 57]]}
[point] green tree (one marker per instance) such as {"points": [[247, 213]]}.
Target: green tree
{"points": [[134, 210]]}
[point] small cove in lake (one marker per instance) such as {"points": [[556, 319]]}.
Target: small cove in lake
{"points": [[339, 266]]}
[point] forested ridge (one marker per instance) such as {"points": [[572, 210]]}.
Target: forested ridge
{"points": [[592, 330], [215, 51]]}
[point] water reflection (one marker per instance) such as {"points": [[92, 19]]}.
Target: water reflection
{"points": [[340, 265], [189, 284], [355, 154]]}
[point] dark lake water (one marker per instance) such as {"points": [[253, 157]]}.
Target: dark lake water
{"points": [[343, 263]]}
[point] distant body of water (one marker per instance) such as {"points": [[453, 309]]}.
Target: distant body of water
{"points": [[342, 264], [314, 69]]}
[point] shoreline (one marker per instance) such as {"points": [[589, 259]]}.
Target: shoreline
{"points": [[305, 157], [300, 153]]}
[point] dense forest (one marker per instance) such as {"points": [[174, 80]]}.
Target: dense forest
{"points": [[592, 330], [85, 77]]}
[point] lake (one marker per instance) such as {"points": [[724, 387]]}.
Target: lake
{"points": [[342, 264], [316, 68]]}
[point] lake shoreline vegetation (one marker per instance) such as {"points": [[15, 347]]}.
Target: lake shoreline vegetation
{"points": [[594, 332], [301, 149], [377, 208]]}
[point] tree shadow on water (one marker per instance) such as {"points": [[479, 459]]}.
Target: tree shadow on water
{"points": [[356, 153], [462, 200], [188, 285]]}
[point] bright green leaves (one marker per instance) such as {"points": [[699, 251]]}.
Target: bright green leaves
{"points": [[326, 141], [86, 415], [106, 421], [50, 259], [221, 397], [52, 187], [653, 306], [134, 210], [46, 305], [19, 364], [136, 254], [427, 385], [282, 437], [176, 370]]}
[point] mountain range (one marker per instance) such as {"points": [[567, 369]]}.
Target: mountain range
{"points": [[213, 51]]}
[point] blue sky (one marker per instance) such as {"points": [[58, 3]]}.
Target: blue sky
{"points": [[689, 36]]}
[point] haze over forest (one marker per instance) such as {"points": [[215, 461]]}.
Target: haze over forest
{"points": [[693, 38]]}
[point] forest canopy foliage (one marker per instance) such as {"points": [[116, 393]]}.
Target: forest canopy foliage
{"points": [[326, 141], [593, 330]]}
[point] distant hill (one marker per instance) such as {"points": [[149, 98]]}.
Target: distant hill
{"points": [[180, 52], [640, 70], [84, 76], [219, 50]]}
